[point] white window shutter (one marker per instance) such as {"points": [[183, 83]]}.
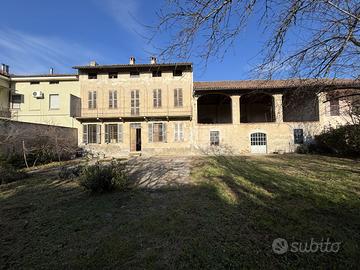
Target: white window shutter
{"points": [[150, 132], [181, 132], [98, 133], [120, 133], [107, 137], [164, 132], [175, 132], [85, 134]]}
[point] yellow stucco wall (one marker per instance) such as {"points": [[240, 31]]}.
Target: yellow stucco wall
{"points": [[4, 94], [37, 110]]}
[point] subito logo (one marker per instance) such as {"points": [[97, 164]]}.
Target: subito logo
{"points": [[280, 246]]}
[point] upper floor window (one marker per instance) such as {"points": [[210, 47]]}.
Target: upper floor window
{"points": [[92, 100], [298, 136], [177, 73], [179, 132], [113, 75], [54, 102], [54, 82], [135, 102], [35, 82], [214, 137], [334, 107], [92, 76], [157, 132], [112, 99], [113, 133], [134, 74], [178, 97], [156, 73], [157, 98]]}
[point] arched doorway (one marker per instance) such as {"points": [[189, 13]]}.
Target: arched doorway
{"points": [[258, 143], [257, 108], [214, 109]]}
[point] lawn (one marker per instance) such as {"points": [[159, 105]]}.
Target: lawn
{"points": [[226, 218]]}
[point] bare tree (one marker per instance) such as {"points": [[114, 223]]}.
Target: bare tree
{"points": [[307, 38]]}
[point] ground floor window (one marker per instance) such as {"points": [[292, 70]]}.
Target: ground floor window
{"points": [[179, 132], [113, 133], [157, 132], [91, 133], [298, 136], [214, 137]]}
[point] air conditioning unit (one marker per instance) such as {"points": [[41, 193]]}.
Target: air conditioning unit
{"points": [[38, 94]]}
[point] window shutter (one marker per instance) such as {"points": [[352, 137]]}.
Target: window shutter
{"points": [[120, 133], [159, 98], [115, 99], [85, 134], [180, 96], [94, 99], [154, 98], [98, 133], [175, 98], [176, 132], [181, 132], [107, 135], [164, 132], [90, 100], [150, 132], [110, 99]]}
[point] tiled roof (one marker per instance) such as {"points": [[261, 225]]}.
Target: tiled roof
{"points": [[41, 75], [273, 84], [124, 66]]}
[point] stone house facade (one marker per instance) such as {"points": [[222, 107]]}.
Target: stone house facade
{"points": [[157, 109]]}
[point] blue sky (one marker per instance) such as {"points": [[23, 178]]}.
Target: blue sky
{"points": [[39, 34]]}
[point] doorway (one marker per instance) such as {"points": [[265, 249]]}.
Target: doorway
{"points": [[135, 137], [258, 143]]}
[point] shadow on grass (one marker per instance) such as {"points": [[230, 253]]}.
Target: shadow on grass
{"points": [[227, 218]]}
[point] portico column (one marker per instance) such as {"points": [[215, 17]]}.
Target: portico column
{"points": [[235, 109], [278, 108], [322, 107]]}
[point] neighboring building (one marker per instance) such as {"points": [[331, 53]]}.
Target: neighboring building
{"points": [[157, 109], [4, 91], [52, 99]]}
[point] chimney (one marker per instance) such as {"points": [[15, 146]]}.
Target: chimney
{"points": [[132, 60], [3, 69], [93, 63], [153, 60], [7, 69], [51, 71]]}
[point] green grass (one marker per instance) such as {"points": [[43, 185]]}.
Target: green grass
{"points": [[227, 218]]}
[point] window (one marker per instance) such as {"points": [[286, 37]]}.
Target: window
{"points": [[214, 137], [156, 73], [92, 76], [178, 97], [334, 107], [92, 100], [179, 132], [54, 102], [298, 136], [16, 101], [177, 73], [113, 75], [135, 102], [112, 99], [54, 82], [91, 133], [113, 133], [157, 98], [157, 132], [34, 82], [258, 138], [134, 74]]}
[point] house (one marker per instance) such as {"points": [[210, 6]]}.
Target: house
{"points": [[156, 109], [4, 91]]}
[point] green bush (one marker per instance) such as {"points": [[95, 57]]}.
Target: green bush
{"points": [[104, 177], [9, 174], [70, 172], [342, 141]]}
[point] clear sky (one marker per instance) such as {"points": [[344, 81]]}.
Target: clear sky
{"points": [[39, 34]]}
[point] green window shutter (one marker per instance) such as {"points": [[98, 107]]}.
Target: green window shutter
{"points": [[150, 132], [98, 133], [85, 134], [107, 135], [120, 133]]}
